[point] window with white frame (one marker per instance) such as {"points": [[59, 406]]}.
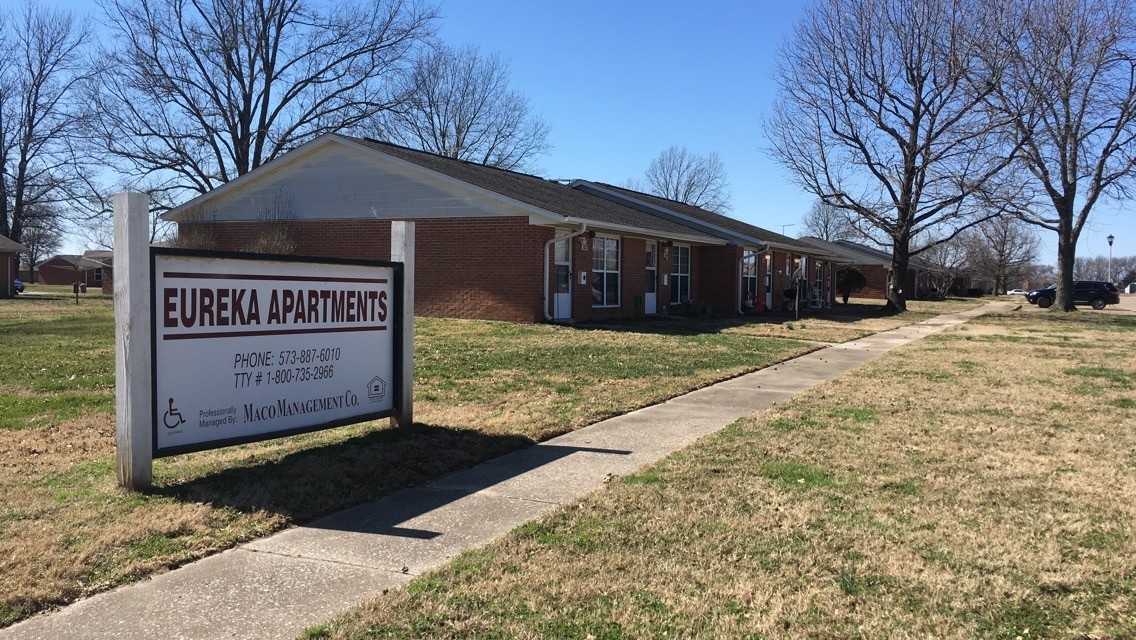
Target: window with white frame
{"points": [[98, 275], [749, 277], [605, 272], [680, 275]]}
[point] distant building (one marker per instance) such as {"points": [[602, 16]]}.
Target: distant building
{"points": [[876, 267], [66, 269]]}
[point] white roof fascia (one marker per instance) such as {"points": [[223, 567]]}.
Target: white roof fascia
{"points": [[738, 238], [815, 252], [745, 239], [846, 254], [648, 233]]}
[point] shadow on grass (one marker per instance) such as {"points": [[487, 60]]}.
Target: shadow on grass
{"points": [[308, 484], [687, 326]]}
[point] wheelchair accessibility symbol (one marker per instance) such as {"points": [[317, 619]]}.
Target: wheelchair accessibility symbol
{"points": [[172, 418]]}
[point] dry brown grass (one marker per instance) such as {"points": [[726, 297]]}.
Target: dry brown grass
{"points": [[979, 483], [483, 389]]}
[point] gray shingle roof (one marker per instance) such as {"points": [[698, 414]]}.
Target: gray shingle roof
{"points": [[732, 225], [548, 195], [883, 255], [78, 262], [10, 246]]}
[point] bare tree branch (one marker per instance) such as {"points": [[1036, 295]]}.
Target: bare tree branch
{"points": [[882, 113], [1070, 88], [678, 174], [828, 223], [203, 91], [460, 105], [41, 65]]}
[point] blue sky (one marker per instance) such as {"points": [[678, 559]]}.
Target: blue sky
{"points": [[619, 81]]}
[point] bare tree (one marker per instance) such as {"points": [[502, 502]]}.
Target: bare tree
{"points": [[1004, 250], [1069, 84], [635, 184], [951, 260], [42, 239], [1123, 270], [460, 106], [199, 92], [41, 64], [881, 113], [678, 174], [828, 223], [1092, 268]]}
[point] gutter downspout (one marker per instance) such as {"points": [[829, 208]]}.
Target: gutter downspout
{"points": [[741, 281], [583, 228]]}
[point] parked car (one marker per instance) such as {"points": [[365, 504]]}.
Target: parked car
{"points": [[1016, 292], [1094, 293], [18, 285]]}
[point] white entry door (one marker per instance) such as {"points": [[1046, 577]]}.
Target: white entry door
{"points": [[650, 302], [562, 296]]}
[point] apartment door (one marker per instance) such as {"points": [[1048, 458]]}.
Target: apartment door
{"points": [[650, 301], [562, 280]]}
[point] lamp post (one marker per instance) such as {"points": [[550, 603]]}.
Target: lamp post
{"points": [[1110, 239]]}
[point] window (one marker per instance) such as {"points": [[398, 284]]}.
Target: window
{"points": [[98, 275], [652, 263], [680, 275], [749, 277], [605, 272], [563, 262]]}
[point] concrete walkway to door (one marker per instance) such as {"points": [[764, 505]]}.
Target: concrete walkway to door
{"points": [[278, 586]]}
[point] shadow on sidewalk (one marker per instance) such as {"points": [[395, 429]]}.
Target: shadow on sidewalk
{"points": [[385, 519], [306, 485]]}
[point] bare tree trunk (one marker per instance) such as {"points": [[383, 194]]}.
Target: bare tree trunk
{"points": [[1066, 256], [897, 294]]}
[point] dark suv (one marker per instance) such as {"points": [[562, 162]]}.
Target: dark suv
{"points": [[1094, 293]]}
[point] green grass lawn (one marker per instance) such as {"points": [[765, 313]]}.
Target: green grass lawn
{"points": [[482, 389], [980, 483]]}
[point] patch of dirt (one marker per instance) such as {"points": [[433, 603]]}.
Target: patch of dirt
{"points": [[27, 452]]}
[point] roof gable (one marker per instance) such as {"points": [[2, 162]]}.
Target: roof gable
{"points": [[340, 177]]}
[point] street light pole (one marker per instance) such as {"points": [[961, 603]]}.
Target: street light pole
{"points": [[1110, 239]]}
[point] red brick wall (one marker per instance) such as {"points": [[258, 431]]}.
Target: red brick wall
{"points": [[486, 268], [63, 272], [715, 272], [877, 277]]}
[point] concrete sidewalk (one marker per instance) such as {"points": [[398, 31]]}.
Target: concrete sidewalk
{"points": [[278, 586]]}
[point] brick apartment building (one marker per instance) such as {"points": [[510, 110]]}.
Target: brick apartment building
{"points": [[502, 245], [876, 267]]}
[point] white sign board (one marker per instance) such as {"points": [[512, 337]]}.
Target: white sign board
{"points": [[249, 349]]}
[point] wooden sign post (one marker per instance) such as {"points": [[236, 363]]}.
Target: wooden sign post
{"points": [[132, 346]]}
